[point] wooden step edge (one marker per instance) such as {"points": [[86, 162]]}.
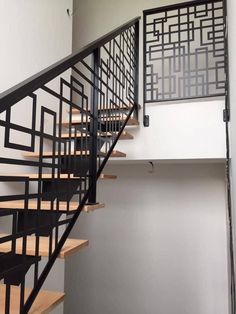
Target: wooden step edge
{"points": [[46, 206], [45, 301], [56, 154], [115, 153], [82, 135], [131, 121], [124, 135], [107, 177], [101, 108], [71, 246], [48, 176], [91, 208]]}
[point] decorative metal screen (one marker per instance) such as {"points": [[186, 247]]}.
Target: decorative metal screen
{"points": [[184, 51]]}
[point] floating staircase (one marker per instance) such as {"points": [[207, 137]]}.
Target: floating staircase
{"points": [[80, 107], [59, 160]]}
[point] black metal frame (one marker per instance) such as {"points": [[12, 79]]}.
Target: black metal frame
{"points": [[231, 251], [185, 44], [105, 73]]}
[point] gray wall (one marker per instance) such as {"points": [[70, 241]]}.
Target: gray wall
{"points": [[94, 18], [159, 246]]}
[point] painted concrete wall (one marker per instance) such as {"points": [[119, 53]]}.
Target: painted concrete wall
{"points": [[159, 246], [34, 35], [93, 19], [179, 131]]}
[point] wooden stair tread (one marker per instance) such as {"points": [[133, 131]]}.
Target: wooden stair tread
{"points": [[107, 176], [124, 135], [48, 176], [71, 246], [46, 205], [45, 301], [131, 121], [102, 108], [115, 153], [50, 154]]}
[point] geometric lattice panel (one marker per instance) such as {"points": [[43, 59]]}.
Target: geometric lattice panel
{"points": [[184, 51]]}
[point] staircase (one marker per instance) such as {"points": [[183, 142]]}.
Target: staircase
{"points": [[71, 116]]}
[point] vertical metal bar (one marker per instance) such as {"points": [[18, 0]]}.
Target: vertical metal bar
{"points": [[7, 298], [39, 199], [24, 240], [50, 247], [94, 127], [145, 117], [136, 78], [231, 253], [111, 124]]}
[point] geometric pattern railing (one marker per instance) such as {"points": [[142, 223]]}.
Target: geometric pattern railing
{"points": [[56, 159], [184, 51]]}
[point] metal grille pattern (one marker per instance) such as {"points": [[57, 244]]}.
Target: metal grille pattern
{"points": [[58, 136], [184, 51]]}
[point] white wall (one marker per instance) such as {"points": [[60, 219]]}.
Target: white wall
{"points": [[159, 246], [34, 34], [93, 19], [178, 132]]}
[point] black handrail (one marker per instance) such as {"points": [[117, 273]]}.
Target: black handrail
{"points": [[177, 6], [23, 89]]}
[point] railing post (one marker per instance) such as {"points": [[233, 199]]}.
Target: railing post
{"points": [[94, 127], [136, 89], [145, 116]]}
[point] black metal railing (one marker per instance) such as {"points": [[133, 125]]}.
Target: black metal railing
{"points": [[184, 51], [58, 129]]}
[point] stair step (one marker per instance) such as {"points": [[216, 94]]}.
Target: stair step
{"points": [[48, 176], [71, 246], [107, 177], [131, 121], [46, 205], [45, 302], [103, 108], [115, 153], [124, 135]]}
